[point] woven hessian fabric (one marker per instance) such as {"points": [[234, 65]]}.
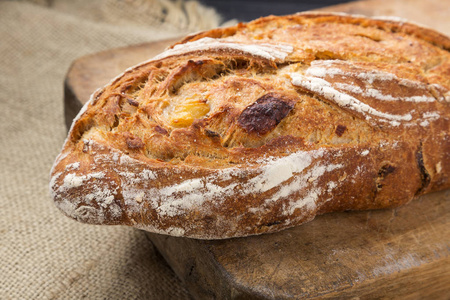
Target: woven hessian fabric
{"points": [[43, 254]]}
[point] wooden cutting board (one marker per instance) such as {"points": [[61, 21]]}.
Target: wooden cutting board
{"points": [[399, 253]]}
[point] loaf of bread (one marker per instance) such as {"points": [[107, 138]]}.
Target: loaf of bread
{"points": [[263, 126]]}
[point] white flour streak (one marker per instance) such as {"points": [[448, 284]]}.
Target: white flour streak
{"points": [[264, 50], [324, 89], [433, 115], [73, 166], [378, 95], [308, 201], [322, 68], [80, 206], [429, 116], [307, 182], [72, 180], [178, 198], [280, 170]]}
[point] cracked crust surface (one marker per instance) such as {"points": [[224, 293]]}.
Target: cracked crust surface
{"points": [[262, 126]]}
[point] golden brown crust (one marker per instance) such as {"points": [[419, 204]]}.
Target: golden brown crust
{"points": [[262, 126]]}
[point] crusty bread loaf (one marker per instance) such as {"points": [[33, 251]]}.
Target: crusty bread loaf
{"points": [[262, 126]]}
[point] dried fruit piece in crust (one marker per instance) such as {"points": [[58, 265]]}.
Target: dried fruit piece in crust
{"points": [[262, 126]]}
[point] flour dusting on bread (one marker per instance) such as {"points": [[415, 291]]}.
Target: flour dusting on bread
{"points": [[326, 68], [263, 126], [274, 52], [326, 90]]}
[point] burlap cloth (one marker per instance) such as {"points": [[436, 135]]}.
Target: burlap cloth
{"points": [[43, 254]]}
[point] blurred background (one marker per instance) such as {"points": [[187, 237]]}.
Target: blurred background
{"points": [[252, 9]]}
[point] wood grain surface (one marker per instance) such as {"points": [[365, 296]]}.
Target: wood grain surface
{"points": [[402, 253]]}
